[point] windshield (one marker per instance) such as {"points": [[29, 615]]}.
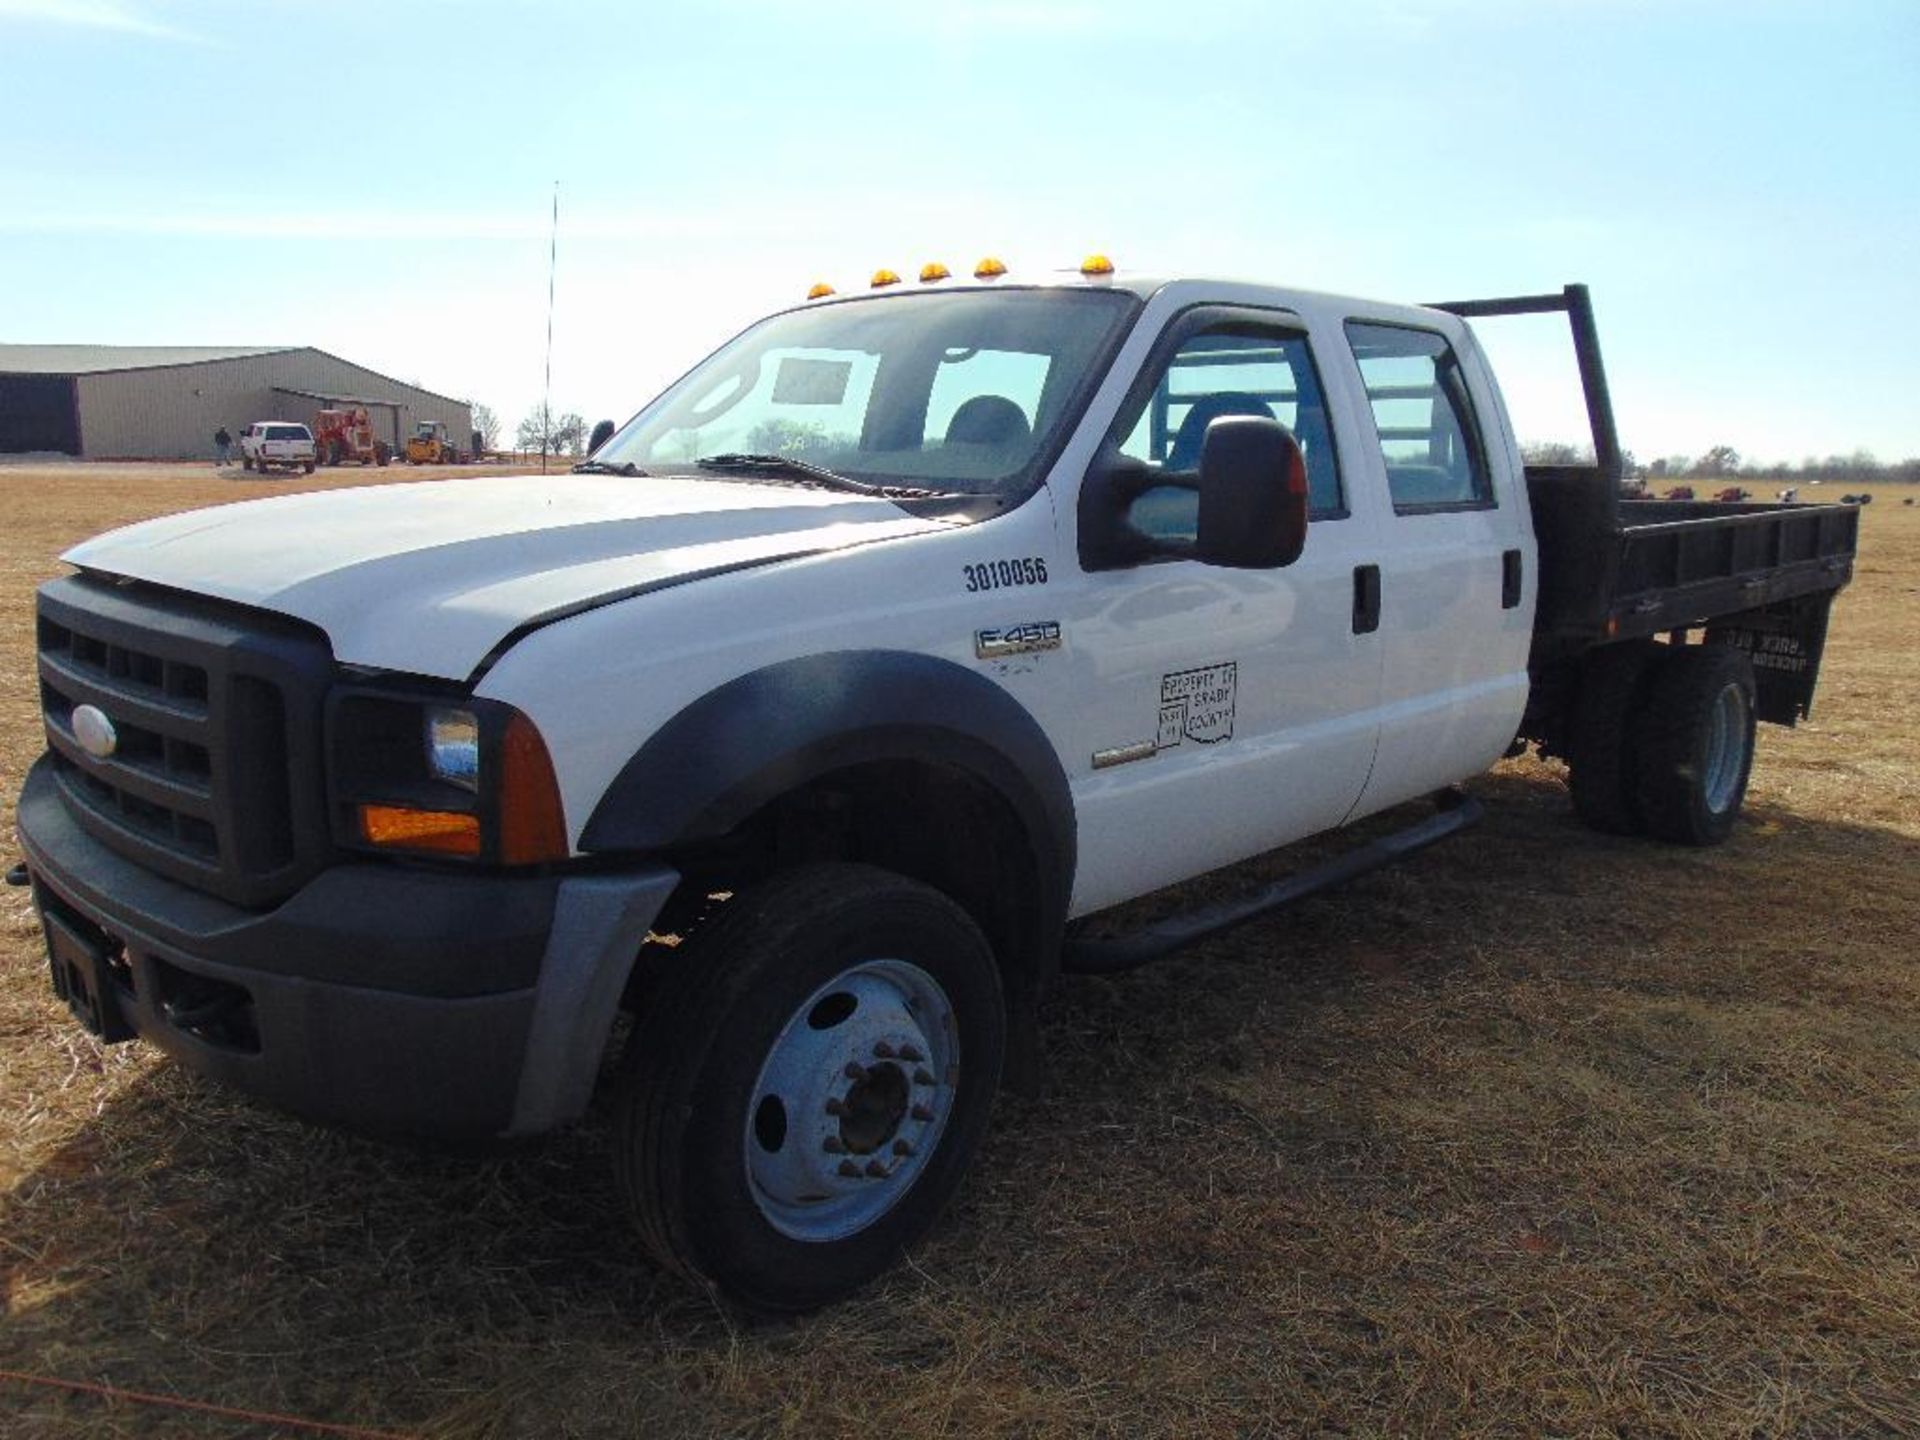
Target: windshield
{"points": [[969, 392]]}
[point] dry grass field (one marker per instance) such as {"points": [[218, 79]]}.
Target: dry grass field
{"points": [[1541, 1133]]}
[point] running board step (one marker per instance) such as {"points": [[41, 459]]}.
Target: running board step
{"points": [[1124, 952]]}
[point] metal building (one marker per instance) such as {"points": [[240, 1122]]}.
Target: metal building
{"points": [[164, 402]]}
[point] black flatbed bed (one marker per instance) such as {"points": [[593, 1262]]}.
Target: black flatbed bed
{"points": [[1614, 570]]}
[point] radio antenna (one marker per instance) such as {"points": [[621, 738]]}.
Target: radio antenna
{"points": [[546, 394]]}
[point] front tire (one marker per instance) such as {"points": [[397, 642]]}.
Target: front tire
{"points": [[808, 1084], [1695, 743]]}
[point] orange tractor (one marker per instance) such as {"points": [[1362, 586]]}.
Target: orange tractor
{"points": [[347, 435]]}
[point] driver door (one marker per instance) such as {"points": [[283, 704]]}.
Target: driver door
{"points": [[1224, 712]]}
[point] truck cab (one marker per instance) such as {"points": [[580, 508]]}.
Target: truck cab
{"points": [[814, 720]]}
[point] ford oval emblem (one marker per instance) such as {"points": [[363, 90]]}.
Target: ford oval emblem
{"points": [[94, 731]]}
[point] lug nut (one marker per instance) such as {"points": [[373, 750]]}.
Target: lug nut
{"points": [[876, 1171], [836, 1106], [833, 1145], [922, 1077], [850, 1170], [882, 1050], [855, 1071], [910, 1055], [922, 1112], [903, 1147]]}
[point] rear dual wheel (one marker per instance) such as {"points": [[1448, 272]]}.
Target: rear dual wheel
{"points": [[809, 1083], [1694, 739], [1600, 746], [1662, 741]]}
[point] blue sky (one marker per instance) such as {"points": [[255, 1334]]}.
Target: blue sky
{"points": [[1739, 182]]}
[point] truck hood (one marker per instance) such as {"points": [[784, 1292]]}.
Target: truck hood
{"points": [[431, 578]]}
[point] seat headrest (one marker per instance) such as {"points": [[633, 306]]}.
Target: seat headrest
{"points": [[989, 420], [1185, 454]]}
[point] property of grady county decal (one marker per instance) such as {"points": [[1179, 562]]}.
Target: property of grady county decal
{"points": [[1197, 705]]}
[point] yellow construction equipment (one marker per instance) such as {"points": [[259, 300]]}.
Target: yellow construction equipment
{"points": [[429, 445]]}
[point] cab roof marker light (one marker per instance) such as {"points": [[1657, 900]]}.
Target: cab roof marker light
{"points": [[989, 269], [884, 278], [1096, 265], [933, 270], [820, 291]]}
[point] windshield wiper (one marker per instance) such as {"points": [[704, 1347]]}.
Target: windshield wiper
{"points": [[601, 467], [807, 470]]}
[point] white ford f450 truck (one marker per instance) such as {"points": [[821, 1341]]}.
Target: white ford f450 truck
{"points": [[808, 721]]}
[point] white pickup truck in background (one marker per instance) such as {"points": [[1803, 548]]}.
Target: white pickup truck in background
{"points": [[267, 443], [869, 663]]}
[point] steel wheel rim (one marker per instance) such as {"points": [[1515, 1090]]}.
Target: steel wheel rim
{"points": [[1726, 747], [851, 1101]]}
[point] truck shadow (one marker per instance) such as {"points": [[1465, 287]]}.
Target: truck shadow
{"points": [[186, 1240]]}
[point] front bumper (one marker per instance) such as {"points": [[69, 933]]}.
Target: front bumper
{"points": [[379, 997]]}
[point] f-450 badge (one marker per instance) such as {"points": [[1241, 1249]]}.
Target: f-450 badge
{"points": [[1017, 639]]}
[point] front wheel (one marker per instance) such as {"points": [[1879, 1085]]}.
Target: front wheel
{"points": [[1694, 742], [809, 1083]]}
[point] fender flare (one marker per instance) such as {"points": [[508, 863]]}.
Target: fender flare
{"points": [[772, 730]]}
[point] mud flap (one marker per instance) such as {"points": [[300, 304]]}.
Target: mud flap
{"points": [[1785, 642]]}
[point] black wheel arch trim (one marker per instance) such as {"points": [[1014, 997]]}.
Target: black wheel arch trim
{"points": [[765, 733]]}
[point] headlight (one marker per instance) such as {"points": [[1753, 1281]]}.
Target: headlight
{"points": [[416, 775], [453, 747]]}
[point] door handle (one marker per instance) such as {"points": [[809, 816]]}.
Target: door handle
{"points": [[1510, 580], [1366, 599]]}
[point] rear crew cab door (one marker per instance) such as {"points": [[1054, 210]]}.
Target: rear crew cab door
{"points": [[1455, 607]]}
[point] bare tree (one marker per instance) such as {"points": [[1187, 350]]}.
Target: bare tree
{"points": [[1720, 460], [487, 424], [552, 435], [531, 434], [1555, 452]]}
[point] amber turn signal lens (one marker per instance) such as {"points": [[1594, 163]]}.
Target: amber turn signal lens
{"points": [[988, 268], [933, 270], [533, 823], [400, 827], [820, 291], [1096, 265], [883, 278]]}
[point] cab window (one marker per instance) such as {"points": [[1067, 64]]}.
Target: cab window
{"points": [[1235, 368], [1423, 417]]}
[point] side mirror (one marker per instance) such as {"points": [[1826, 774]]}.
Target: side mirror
{"points": [[602, 432], [1253, 495]]}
